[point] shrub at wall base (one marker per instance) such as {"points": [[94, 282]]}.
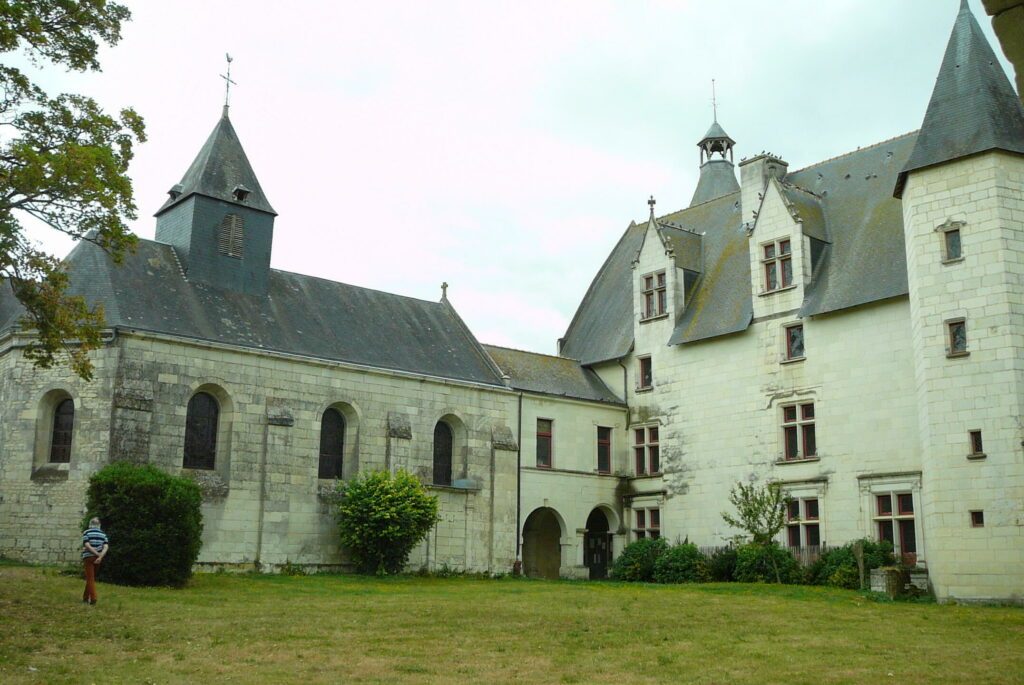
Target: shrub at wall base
{"points": [[682, 563], [153, 521], [382, 517], [637, 560]]}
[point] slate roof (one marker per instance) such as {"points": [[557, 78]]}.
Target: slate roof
{"points": [[717, 178], [596, 332], [845, 202], [220, 166], [300, 315], [716, 131], [973, 107], [548, 375]]}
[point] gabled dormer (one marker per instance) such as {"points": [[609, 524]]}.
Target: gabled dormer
{"points": [[665, 271], [786, 235], [217, 218]]}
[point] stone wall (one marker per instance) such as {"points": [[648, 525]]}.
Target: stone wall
{"points": [[263, 503]]}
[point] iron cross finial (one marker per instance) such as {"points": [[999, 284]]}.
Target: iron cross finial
{"points": [[651, 203], [227, 81]]}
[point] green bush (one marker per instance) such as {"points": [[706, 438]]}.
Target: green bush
{"points": [[153, 521], [637, 560], [838, 567], [722, 564], [757, 563], [382, 517], [681, 564]]}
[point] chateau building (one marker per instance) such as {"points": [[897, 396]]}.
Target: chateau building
{"points": [[853, 330]]}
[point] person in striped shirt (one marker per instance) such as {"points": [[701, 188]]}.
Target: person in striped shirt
{"points": [[94, 548]]}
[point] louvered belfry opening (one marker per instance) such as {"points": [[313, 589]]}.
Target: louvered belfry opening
{"points": [[442, 454], [332, 444], [201, 432], [230, 235], [63, 427]]}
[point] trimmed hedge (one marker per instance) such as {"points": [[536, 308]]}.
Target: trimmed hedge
{"points": [[153, 521], [722, 565], [637, 560], [382, 517], [681, 564], [754, 564]]}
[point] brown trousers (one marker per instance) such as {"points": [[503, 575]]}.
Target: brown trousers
{"points": [[90, 579]]}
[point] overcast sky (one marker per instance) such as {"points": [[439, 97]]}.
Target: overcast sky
{"points": [[502, 147]]}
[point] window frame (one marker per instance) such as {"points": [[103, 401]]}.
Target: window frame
{"points": [[67, 434], [201, 461], [801, 426], [945, 231], [332, 463], [231, 235], [647, 523], [653, 295], [977, 518], [774, 260], [605, 442], [802, 521], [976, 444], [788, 342], [445, 460], [549, 437], [642, 361], [896, 517], [951, 350], [647, 454]]}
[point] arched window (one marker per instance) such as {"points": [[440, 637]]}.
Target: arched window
{"points": [[332, 444], [229, 242], [442, 454], [201, 432], [63, 426]]}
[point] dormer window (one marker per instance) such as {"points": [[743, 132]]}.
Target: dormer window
{"points": [[230, 236], [240, 192], [777, 261], [175, 191], [655, 298]]}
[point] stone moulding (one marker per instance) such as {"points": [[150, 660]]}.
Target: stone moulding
{"points": [[210, 483], [399, 426], [502, 438]]}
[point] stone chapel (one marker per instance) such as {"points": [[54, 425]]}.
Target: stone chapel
{"points": [[852, 330]]}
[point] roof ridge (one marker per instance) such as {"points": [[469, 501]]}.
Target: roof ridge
{"points": [[538, 354], [851, 152]]}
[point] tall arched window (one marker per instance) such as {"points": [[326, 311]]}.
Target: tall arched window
{"points": [[442, 454], [201, 432], [63, 426], [332, 444]]}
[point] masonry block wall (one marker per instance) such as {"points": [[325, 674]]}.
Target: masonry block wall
{"points": [[263, 502]]}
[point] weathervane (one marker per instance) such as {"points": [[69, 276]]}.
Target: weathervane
{"points": [[714, 101], [227, 81]]}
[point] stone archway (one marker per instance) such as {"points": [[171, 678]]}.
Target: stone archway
{"points": [[597, 545], [542, 549]]}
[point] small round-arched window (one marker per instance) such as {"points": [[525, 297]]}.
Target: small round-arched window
{"points": [[332, 444], [201, 432], [63, 427], [442, 454]]}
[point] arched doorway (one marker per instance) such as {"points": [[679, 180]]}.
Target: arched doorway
{"points": [[542, 549], [597, 545]]}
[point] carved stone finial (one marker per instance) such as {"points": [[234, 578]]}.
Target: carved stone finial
{"points": [[444, 290]]}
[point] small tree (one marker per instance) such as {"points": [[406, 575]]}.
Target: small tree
{"points": [[382, 517], [153, 520], [760, 513]]}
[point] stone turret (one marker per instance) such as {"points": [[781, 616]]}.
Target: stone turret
{"points": [[217, 218], [963, 218]]}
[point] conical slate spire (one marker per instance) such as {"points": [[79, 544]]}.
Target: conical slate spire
{"points": [[973, 107], [221, 171]]}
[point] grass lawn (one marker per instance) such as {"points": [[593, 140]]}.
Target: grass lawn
{"points": [[267, 629]]}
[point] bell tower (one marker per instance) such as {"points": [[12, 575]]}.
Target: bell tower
{"points": [[217, 218]]}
